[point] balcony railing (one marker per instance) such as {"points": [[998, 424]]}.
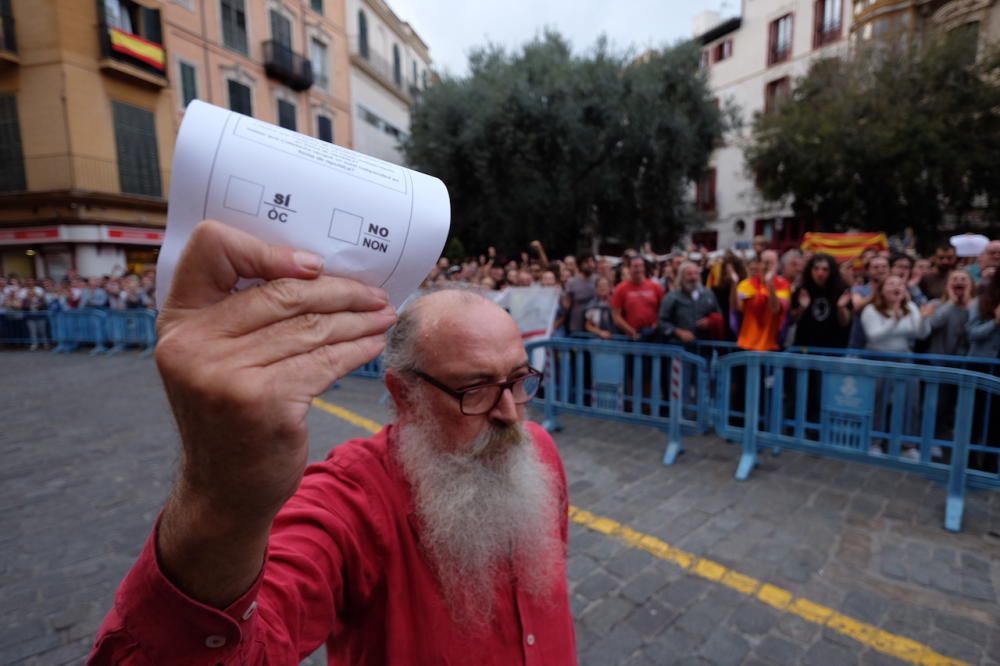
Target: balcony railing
{"points": [[779, 53], [826, 33], [380, 67], [287, 66], [8, 38], [82, 172]]}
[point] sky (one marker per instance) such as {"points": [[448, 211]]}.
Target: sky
{"points": [[451, 28]]}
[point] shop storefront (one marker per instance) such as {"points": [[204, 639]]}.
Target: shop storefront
{"points": [[52, 251]]}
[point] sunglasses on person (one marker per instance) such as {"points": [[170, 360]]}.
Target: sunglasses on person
{"points": [[483, 398]]}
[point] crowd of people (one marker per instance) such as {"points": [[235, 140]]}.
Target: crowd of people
{"points": [[20, 296], [883, 300], [759, 300]]}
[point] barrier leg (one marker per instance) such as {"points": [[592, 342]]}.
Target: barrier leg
{"points": [[549, 422], [955, 504], [750, 422], [674, 447]]}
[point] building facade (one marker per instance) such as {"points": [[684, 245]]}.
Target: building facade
{"points": [[390, 67], [92, 93], [753, 61]]}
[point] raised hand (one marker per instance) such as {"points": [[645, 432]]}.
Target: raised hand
{"points": [[240, 371]]}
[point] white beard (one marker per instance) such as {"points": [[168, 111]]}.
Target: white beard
{"points": [[483, 515]]}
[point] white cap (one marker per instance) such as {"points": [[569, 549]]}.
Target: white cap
{"points": [[969, 245]]}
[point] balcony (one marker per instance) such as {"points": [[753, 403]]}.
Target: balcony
{"points": [[287, 66], [381, 70], [136, 54], [8, 39]]}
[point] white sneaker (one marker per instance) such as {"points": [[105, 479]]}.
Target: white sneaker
{"points": [[876, 450], [911, 454], [936, 452]]}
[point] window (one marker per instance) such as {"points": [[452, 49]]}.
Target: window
{"points": [[423, 75], [317, 6], [319, 58], [324, 128], [722, 50], [239, 98], [286, 114], [397, 67], [706, 58], [362, 34], [967, 35], [828, 22], [776, 93], [705, 192], [281, 29], [138, 157], [189, 85], [779, 42], [706, 239], [234, 25], [11, 157], [414, 78]]}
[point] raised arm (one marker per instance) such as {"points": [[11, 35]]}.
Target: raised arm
{"points": [[240, 372]]}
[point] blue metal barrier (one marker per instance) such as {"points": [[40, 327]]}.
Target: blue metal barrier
{"points": [[371, 370], [18, 327], [71, 328], [650, 384], [840, 416], [132, 328]]}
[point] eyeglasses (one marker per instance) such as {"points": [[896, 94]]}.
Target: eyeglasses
{"points": [[482, 398]]}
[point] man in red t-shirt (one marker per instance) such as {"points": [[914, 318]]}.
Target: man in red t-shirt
{"points": [[635, 303]]}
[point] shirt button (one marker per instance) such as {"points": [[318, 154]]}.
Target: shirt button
{"points": [[530, 639], [248, 613], [215, 641]]}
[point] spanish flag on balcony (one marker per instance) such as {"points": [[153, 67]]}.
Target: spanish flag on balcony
{"points": [[844, 246], [137, 47]]}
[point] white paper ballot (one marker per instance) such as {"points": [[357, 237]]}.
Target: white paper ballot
{"points": [[376, 222]]}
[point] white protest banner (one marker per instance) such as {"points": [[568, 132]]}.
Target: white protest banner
{"points": [[376, 222], [534, 310]]}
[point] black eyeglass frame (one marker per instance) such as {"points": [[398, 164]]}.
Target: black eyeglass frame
{"points": [[460, 394]]}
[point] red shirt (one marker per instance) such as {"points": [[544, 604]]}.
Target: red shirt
{"points": [[639, 303], [344, 567]]}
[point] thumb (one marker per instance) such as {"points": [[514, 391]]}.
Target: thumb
{"points": [[217, 256]]}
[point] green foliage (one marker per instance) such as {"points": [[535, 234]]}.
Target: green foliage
{"points": [[542, 144], [455, 251], [900, 134]]}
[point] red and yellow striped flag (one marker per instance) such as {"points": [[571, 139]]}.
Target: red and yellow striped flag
{"points": [[844, 246], [137, 47]]}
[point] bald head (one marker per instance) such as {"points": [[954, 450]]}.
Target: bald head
{"points": [[439, 323]]}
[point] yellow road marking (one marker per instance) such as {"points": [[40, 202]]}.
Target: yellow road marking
{"points": [[900, 647], [347, 415]]}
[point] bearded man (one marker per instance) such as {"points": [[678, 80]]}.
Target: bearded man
{"points": [[686, 314], [440, 540]]}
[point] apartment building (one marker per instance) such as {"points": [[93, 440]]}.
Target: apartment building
{"points": [[390, 67], [753, 59], [92, 93]]}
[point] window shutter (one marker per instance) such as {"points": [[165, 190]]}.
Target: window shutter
{"points": [[189, 86], [151, 26], [325, 128], [138, 157], [11, 157]]}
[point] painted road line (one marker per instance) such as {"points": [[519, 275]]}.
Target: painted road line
{"points": [[885, 642]]}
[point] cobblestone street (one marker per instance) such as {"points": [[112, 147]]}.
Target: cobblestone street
{"points": [[89, 452]]}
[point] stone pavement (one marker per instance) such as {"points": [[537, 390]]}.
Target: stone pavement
{"points": [[89, 452]]}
